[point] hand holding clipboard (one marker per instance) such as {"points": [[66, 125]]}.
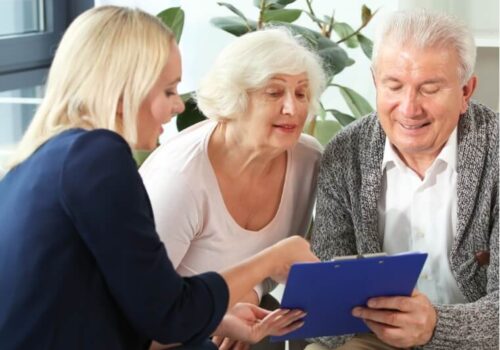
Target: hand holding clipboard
{"points": [[328, 291]]}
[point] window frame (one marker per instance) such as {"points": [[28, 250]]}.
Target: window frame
{"points": [[26, 58]]}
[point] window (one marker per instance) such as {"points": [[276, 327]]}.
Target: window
{"points": [[27, 17], [29, 33], [16, 110]]}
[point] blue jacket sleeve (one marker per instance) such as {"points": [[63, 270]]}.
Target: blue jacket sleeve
{"points": [[103, 194]]}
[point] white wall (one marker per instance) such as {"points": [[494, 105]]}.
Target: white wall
{"points": [[201, 41], [482, 17]]}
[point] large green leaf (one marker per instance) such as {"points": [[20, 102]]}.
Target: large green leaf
{"points": [[322, 112], [234, 25], [273, 4], [326, 129], [233, 9], [366, 45], [342, 118], [343, 30], [190, 116], [309, 35], [356, 103], [140, 156], [334, 57], [174, 19], [283, 15], [284, 2]]}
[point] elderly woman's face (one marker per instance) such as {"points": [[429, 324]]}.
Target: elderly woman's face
{"points": [[277, 112]]}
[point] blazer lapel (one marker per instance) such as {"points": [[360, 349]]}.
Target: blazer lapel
{"points": [[472, 146], [371, 178]]}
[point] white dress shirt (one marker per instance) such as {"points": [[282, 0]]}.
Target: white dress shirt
{"points": [[421, 215]]}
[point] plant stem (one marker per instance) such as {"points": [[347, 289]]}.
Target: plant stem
{"points": [[261, 14], [311, 11], [357, 30], [330, 25]]}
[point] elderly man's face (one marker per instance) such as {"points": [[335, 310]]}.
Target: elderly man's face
{"points": [[419, 98]]}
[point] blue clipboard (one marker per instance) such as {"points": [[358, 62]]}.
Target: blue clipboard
{"points": [[328, 291]]}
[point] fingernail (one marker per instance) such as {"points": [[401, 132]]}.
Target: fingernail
{"points": [[356, 312], [301, 313], [371, 303]]}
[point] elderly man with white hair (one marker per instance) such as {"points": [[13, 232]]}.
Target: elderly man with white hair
{"points": [[419, 174]]}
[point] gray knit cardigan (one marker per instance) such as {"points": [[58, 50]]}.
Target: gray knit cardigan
{"points": [[347, 220]]}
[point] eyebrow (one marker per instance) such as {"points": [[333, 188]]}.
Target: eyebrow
{"points": [[306, 80], [432, 81], [425, 82]]}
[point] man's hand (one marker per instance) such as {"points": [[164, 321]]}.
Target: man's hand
{"points": [[250, 324], [400, 321]]}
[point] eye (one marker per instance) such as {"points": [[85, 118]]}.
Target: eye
{"points": [[394, 87], [430, 90], [170, 93], [274, 93], [301, 95]]}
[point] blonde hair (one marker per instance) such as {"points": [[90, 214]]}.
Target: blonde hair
{"points": [[248, 63], [108, 56]]}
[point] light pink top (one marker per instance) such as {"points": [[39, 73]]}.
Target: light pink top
{"points": [[191, 217]]}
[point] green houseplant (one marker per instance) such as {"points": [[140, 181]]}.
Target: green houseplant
{"points": [[329, 38]]}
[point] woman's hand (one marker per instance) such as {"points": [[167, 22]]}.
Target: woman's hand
{"points": [[274, 261], [248, 324]]}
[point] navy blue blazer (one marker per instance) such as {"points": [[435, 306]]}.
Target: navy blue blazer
{"points": [[81, 265]]}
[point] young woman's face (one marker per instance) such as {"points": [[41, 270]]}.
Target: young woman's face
{"points": [[161, 103]]}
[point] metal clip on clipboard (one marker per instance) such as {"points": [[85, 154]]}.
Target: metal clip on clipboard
{"points": [[359, 256]]}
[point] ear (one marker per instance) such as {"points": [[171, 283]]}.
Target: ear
{"points": [[467, 91]]}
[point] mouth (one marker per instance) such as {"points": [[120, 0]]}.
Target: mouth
{"points": [[285, 127], [414, 126]]}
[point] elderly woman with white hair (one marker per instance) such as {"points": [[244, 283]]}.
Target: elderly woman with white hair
{"points": [[230, 186], [81, 264]]}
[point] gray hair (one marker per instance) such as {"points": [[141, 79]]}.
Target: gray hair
{"points": [[424, 29], [248, 63]]}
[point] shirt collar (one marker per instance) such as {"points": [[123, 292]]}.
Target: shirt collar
{"points": [[448, 154]]}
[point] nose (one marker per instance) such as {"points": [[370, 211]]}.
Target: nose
{"points": [[410, 105], [289, 104], [179, 105]]}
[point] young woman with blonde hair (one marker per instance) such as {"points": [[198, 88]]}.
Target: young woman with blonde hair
{"points": [[81, 265]]}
